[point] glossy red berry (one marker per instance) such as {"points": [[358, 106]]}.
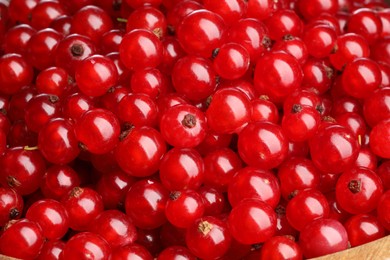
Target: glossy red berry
{"points": [[294, 46], [251, 34], [51, 216], [114, 227], [322, 237], [201, 32], [11, 205], [25, 237], [148, 18], [83, 205], [133, 251], [301, 123], [183, 126], [319, 40], [15, 73], [98, 131], [181, 169], [140, 49], [281, 247], [277, 75], [140, 151], [208, 237], [252, 221], [53, 81], [57, 141], [113, 188], [23, 169], [145, 204], [311, 9], [253, 183], [220, 167], [361, 77], [58, 181], [358, 190], [194, 77], [96, 75], [17, 37], [347, 48], [306, 206], [363, 228], [379, 139], [184, 207], [376, 106], [92, 22], [334, 148], [382, 210], [72, 50], [51, 250], [297, 174], [229, 111], [284, 22], [151, 82], [263, 145], [365, 22], [86, 245], [213, 200], [44, 13], [231, 61], [176, 252]]}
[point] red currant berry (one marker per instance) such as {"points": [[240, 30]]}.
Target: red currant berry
{"points": [[201, 32], [113, 188], [347, 48], [98, 131], [57, 141], [145, 204], [183, 126], [220, 167], [319, 40], [253, 183], [86, 245], [208, 237], [194, 77], [231, 61], [22, 169], [137, 110], [15, 73], [322, 237], [358, 190], [363, 228], [297, 174], [58, 181], [361, 77], [365, 22], [284, 22], [11, 205], [334, 148], [51, 250], [95, 75], [181, 169], [53, 81], [252, 221], [44, 13], [277, 75], [132, 251], [72, 50], [184, 207], [148, 18], [92, 22], [140, 49], [229, 111], [263, 145], [281, 247], [115, 227], [382, 210], [379, 139], [25, 237], [312, 8], [176, 252], [140, 151], [83, 206], [16, 39], [305, 207], [51, 216]]}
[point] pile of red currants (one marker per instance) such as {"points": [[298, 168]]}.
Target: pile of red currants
{"points": [[193, 129]]}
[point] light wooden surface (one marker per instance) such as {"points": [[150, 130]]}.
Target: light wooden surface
{"points": [[377, 250]]}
